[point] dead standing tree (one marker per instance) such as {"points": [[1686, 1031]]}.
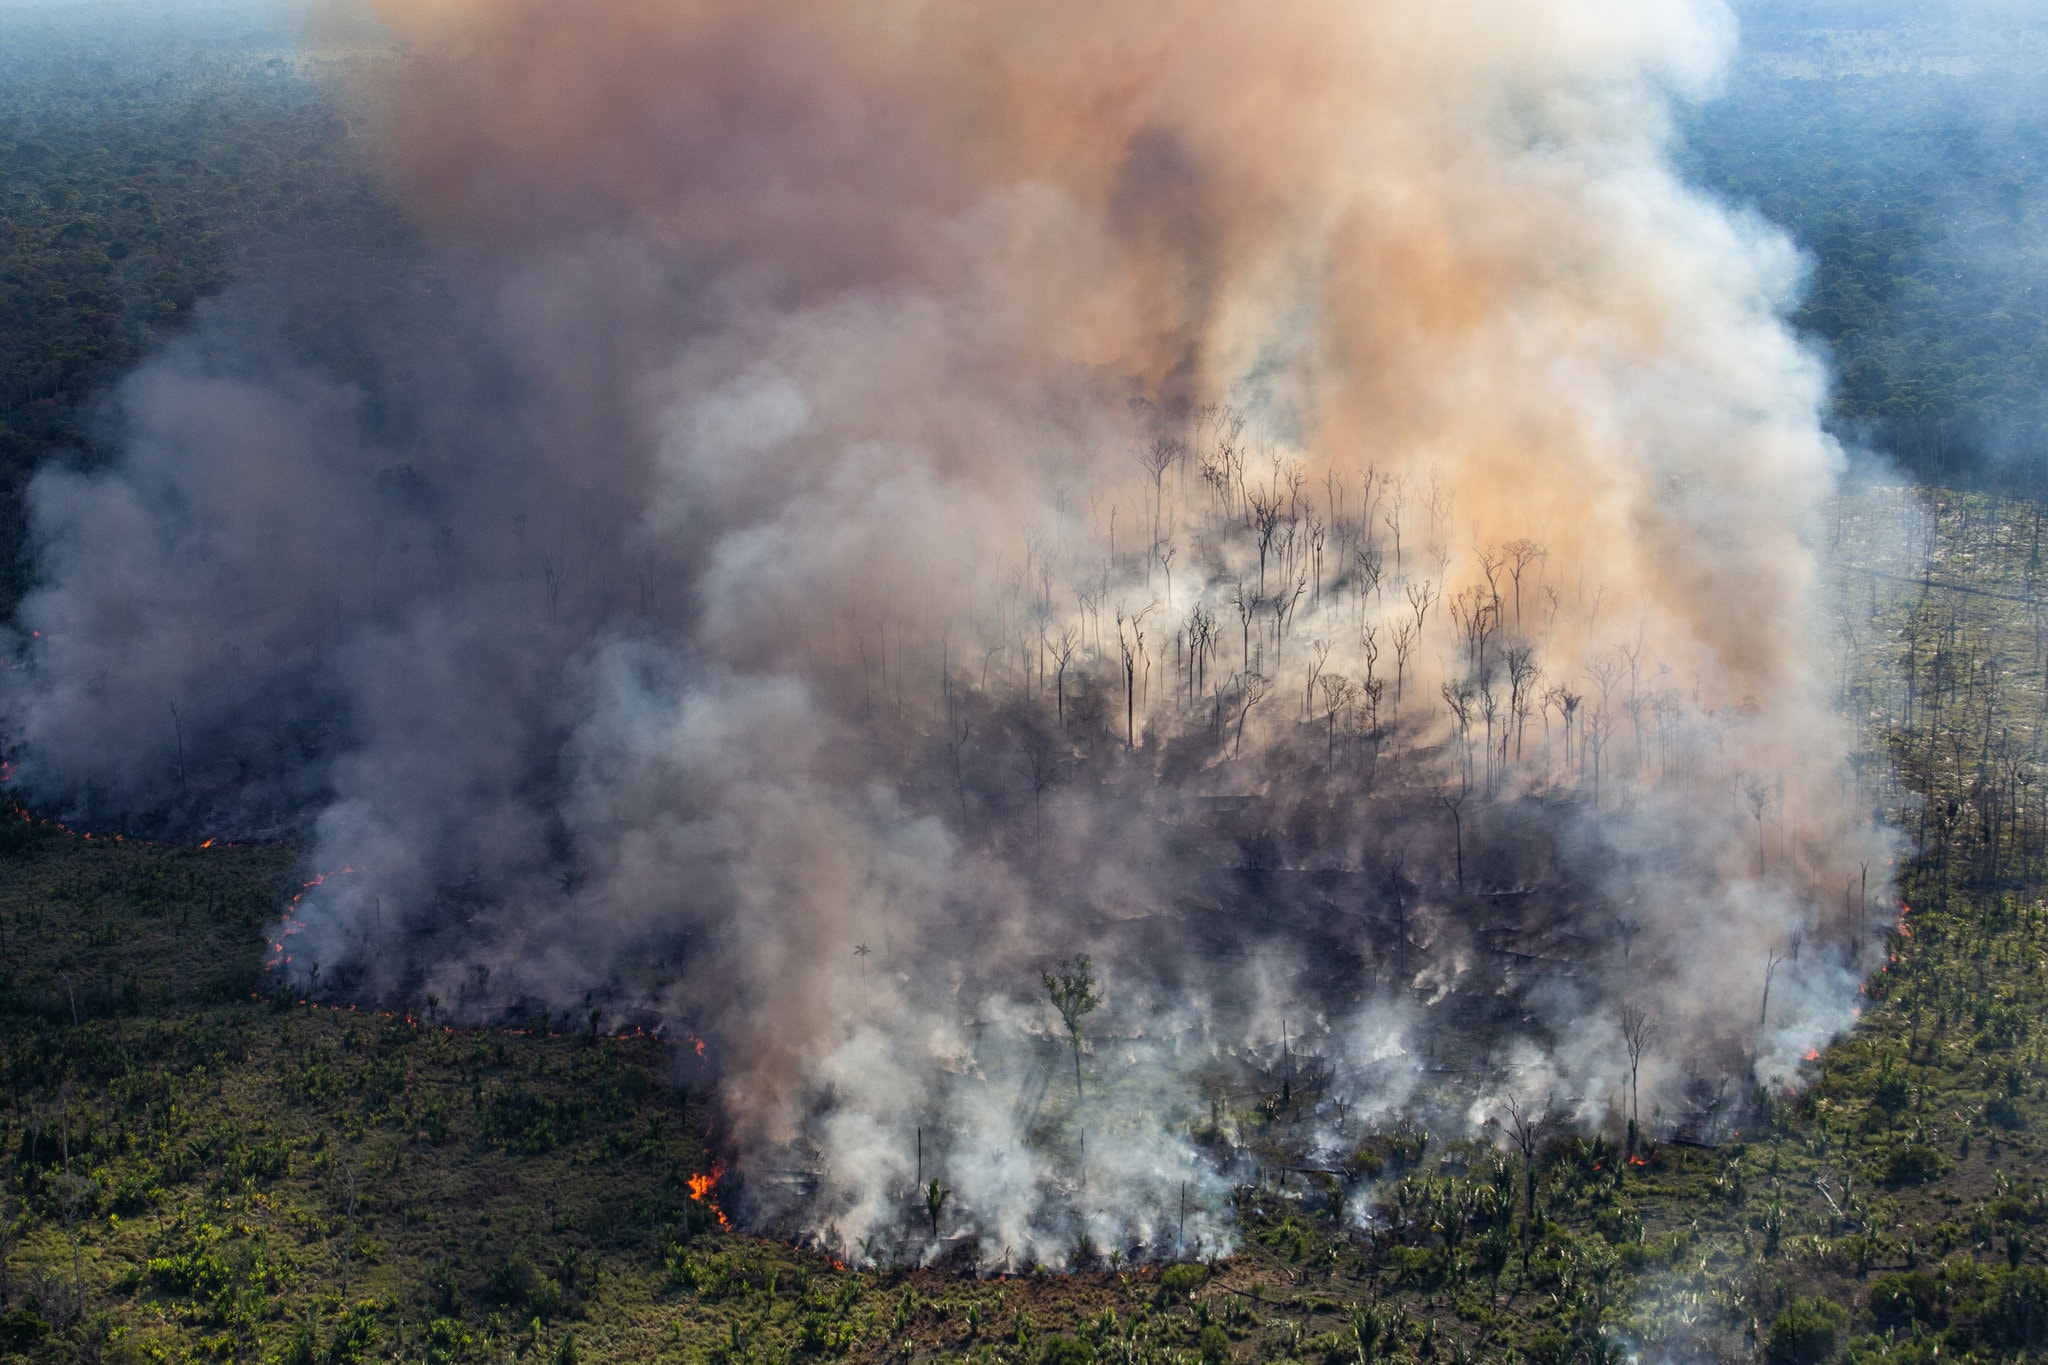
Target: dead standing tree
{"points": [[1038, 764], [1527, 1124], [1758, 796], [1251, 690], [1638, 1031], [1130, 644]]}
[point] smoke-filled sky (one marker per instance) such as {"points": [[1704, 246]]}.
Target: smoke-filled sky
{"points": [[847, 509]]}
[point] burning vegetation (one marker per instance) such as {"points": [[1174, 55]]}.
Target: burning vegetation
{"points": [[1280, 554]]}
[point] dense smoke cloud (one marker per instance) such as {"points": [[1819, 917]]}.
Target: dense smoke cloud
{"points": [[857, 507]]}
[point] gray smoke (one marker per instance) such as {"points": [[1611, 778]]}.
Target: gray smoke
{"points": [[839, 518]]}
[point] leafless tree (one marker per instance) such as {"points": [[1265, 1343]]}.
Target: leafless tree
{"points": [[1638, 1031], [1476, 615], [1156, 459], [1520, 555], [1369, 697], [1130, 645], [1339, 692], [1397, 889], [1201, 638], [1318, 532], [1370, 565], [1770, 970], [1528, 1124], [1440, 499], [1251, 690], [1595, 729], [1459, 696], [1455, 805], [1421, 597], [1319, 655], [1566, 703], [1758, 794], [1605, 671], [1038, 765], [1496, 724], [1284, 603], [1523, 675], [554, 575], [1061, 647], [1247, 604], [1223, 469], [74, 1190], [1266, 517], [1406, 637], [1396, 503]]}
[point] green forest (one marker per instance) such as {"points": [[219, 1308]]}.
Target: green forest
{"points": [[194, 1169], [134, 185]]}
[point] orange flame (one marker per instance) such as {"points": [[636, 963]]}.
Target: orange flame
{"points": [[701, 1187], [1813, 1054]]}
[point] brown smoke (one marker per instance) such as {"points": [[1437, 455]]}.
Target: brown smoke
{"points": [[1441, 233], [806, 409]]}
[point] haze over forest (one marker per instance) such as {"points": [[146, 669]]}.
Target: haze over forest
{"points": [[1107, 641]]}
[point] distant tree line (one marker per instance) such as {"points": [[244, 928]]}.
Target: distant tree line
{"points": [[129, 191], [1920, 199]]}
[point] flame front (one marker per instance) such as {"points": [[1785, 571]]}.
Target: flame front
{"points": [[701, 1187]]}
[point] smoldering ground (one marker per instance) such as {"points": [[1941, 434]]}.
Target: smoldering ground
{"points": [[840, 514]]}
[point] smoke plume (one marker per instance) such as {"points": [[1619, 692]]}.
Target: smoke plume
{"points": [[847, 509]]}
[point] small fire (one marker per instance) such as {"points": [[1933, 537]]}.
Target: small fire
{"points": [[700, 1045], [1637, 1161], [701, 1187], [1813, 1054]]}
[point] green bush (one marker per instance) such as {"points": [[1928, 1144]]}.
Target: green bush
{"points": [[353, 1337], [1214, 1344], [1177, 1282], [1901, 1300], [2016, 1316], [1805, 1333], [21, 1328], [1914, 1164], [1424, 1265], [447, 1343], [1066, 1351], [520, 1284]]}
